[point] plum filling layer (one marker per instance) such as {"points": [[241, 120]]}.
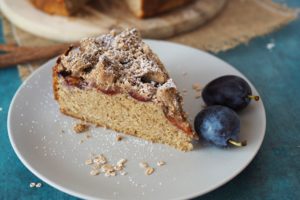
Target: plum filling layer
{"points": [[139, 97]]}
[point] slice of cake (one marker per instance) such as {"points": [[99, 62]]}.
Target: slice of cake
{"points": [[148, 8], [59, 7], [117, 82], [140, 8]]}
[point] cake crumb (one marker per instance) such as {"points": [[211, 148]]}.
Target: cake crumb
{"points": [[119, 138], [149, 171], [80, 127], [161, 163], [197, 87], [143, 165]]}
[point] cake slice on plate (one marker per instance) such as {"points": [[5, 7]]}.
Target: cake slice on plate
{"points": [[117, 82]]}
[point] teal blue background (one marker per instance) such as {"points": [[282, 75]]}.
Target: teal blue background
{"points": [[275, 171]]}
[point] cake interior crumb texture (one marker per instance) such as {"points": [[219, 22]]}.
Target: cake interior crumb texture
{"points": [[116, 81]]}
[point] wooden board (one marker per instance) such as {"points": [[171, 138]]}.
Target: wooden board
{"points": [[103, 15]]}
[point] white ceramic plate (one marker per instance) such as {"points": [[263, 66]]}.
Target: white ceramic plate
{"points": [[44, 140]]}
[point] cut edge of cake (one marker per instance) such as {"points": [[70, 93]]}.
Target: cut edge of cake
{"points": [[149, 8]]}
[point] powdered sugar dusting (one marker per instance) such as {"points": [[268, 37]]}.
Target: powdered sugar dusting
{"points": [[113, 59], [169, 84]]}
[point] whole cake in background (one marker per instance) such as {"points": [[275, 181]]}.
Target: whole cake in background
{"points": [[116, 81], [60, 7], [140, 8]]}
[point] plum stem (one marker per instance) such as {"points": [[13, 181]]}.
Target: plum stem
{"points": [[256, 98], [237, 143]]}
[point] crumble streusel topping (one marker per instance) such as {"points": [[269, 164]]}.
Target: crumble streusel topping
{"points": [[122, 60]]}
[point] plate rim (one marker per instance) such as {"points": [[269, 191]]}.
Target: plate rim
{"points": [[80, 195]]}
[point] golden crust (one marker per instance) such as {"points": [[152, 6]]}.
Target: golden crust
{"points": [[55, 82]]}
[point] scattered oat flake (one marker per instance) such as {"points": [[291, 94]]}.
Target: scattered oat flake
{"points": [[89, 162], [100, 159], [161, 163], [113, 173], [38, 185], [143, 164], [270, 45], [197, 86], [198, 95], [96, 166], [123, 173], [32, 184], [80, 127], [108, 174], [119, 138], [118, 167], [149, 171], [107, 168], [94, 172], [121, 162]]}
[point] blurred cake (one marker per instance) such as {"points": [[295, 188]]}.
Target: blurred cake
{"points": [[140, 8], [148, 8], [59, 7], [116, 81]]}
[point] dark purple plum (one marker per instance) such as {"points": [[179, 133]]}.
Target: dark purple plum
{"points": [[231, 91], [219, 125]]}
